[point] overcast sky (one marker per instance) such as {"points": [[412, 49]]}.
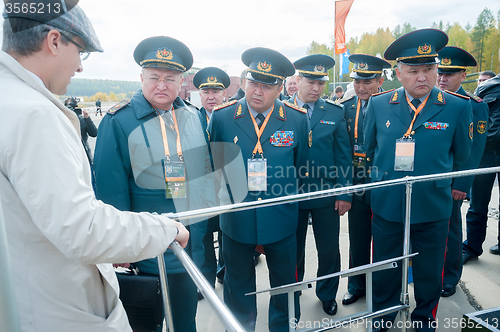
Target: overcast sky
{"points": [[218, 31]]}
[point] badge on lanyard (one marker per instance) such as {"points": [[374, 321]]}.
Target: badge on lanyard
{"points": [[175, 179], [257, 174], [405, 154], [359, 158]]}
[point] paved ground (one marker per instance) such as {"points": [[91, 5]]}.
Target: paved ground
{"points": [[480, 286]]}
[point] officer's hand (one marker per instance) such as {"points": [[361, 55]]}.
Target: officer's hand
{"points": [[85, 113], [458, 195], [183, 235], [342, 207]]}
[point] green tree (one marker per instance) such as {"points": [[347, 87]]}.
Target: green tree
{"points": [[400, 31], [485, 22]]}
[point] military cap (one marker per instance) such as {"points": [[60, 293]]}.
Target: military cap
{"points": [[367, 66], [211, 78], [267, 66], [62, 14], [419, 47], [315, 67], [454, 59], [163, 52]]}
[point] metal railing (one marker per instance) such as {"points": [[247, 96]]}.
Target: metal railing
{"points": [[8, 307]]}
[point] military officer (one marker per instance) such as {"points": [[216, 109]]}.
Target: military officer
{"points": [[212, 83], [274, 142], [367, 80], [330, 151], [451, 73], [151, 155], [414, 130]]}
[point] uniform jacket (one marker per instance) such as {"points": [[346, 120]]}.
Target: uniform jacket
{"points": [[436, 151], [129, 168], [330, 162], [61, 239], [350, 105], [233, 124], [489, 91], [480, 126]]}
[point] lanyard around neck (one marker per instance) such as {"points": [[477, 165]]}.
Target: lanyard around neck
{"points": [[356, 121], [259, 131], [164, 136], [416, 110]]}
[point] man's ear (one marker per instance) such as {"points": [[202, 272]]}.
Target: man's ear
{"points": [[53, 42]]}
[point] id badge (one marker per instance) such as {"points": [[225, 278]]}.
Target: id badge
{"points": [[359, 159], [175, 179], [257, 174], [405, 154]]}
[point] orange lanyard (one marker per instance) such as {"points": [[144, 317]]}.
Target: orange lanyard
{"points": [[416, 110], [259, 131], [208, 119], [165, 139], [356, 121]]}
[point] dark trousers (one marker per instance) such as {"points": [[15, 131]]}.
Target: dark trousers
{"points": [[239, 279], [360, 238], [325, 223], [429, 240], [453, 264], [477, 215]]}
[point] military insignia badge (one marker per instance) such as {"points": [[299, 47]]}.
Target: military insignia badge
{"points": [[281, 113], [440, 97], [239, 112], [395, 96], [363, 66], [264, 66], [282, 138], [481, 127], [471, 131], [327, 122], [446, 61], [164, 54], [436, 125], [319, 69], [235, 139], [310, 138], [388, 123], [424, 49], [212, 79], [118, 106]]}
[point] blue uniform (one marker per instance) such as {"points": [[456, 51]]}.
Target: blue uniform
{"points": [[129, 159], [329, 167], [360, 214], [453, 264], [442, 144], [285, 145]]}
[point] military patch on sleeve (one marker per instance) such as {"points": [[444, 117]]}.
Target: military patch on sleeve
{"points": [[481, 127], [471, 130], [118, 106], [295, 107], [224, 105], [457, 94], [473, 96]]}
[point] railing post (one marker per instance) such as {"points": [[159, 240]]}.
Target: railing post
{"points": [[167, 307], [9, 315], [405, 298]]}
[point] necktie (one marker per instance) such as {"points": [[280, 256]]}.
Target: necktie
{"points": [[415, 103], [261, 118], [363, 108], [309, 110]]}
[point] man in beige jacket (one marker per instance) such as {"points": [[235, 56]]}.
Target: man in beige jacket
{"points": [[61, 240]]}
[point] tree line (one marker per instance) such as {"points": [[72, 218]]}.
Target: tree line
{"points": [[106, 90], [481, 40]]}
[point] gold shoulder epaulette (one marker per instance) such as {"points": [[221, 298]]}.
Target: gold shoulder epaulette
{"points": [[224, 105], [381, 93], [118, 106], [295, 107], [457, 94], [473, 96], [345, 99], [336, 103]]}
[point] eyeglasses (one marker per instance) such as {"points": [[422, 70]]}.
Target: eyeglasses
{"points": [[156, 80], [84, 55]]}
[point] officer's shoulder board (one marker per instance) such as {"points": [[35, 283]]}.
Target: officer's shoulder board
{"points": [[473, 96], [346, 99], [382, 92], [334, 103], [295, 107], [457, 94], [192, 106], [224, 105], [118, 106]]}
